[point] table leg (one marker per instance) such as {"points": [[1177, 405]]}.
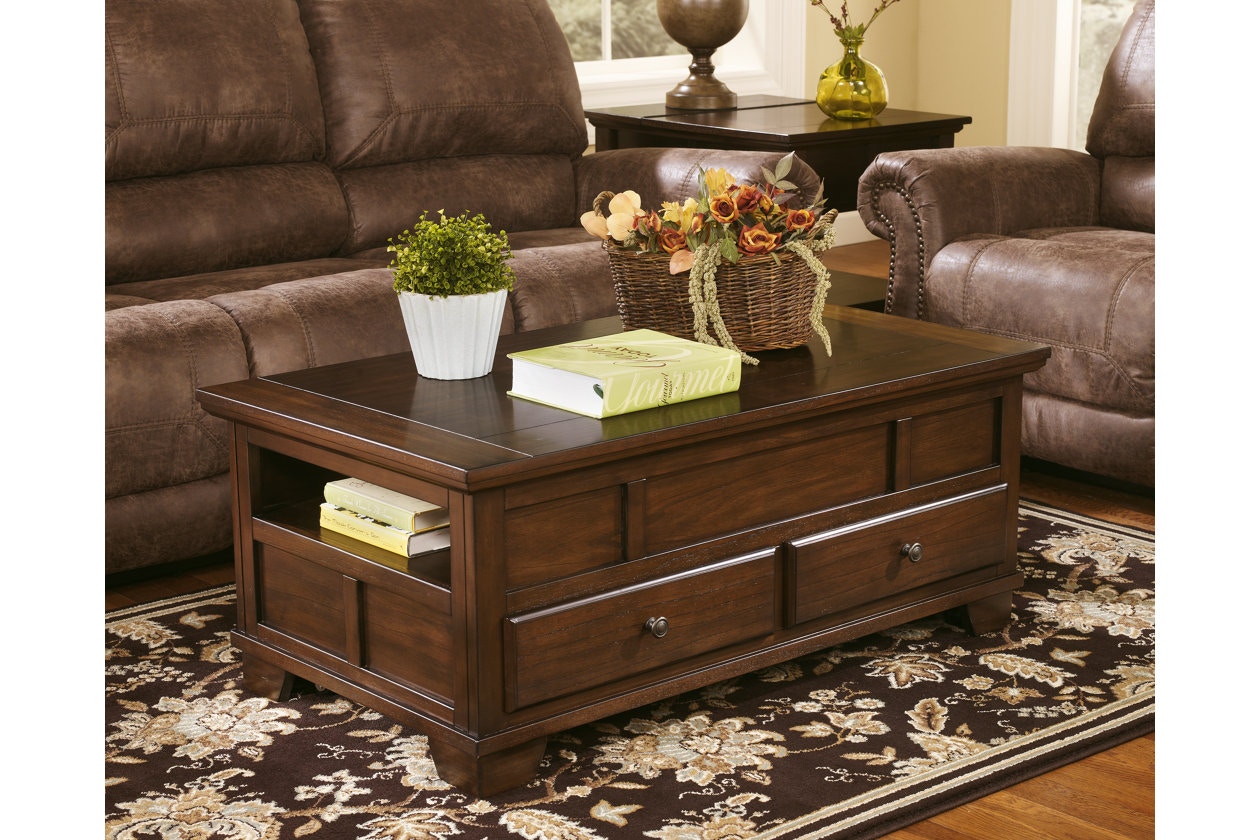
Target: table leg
{"points": [[488, 774], [266, 680], [988, 615]]}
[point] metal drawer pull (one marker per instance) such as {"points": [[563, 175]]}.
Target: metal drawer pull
{"points": [[914, 552], [658, 627]]}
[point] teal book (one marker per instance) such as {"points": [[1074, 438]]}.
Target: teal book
{"points": [[624, 372]]}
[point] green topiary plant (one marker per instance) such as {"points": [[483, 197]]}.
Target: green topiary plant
{"points": [[451, 256]]}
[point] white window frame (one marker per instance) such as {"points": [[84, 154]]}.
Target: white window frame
{"points": [[767, 57]]}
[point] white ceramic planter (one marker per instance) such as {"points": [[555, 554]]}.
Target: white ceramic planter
{"points": [[453, 337]]}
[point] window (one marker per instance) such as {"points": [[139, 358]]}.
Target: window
{"points": [[610, 30], [624, 56]]}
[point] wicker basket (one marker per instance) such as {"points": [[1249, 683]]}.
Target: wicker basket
{"points": [[765, 304]]}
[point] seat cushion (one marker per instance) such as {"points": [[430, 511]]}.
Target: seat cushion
{"points": [[156, 356], [1089, 295]]}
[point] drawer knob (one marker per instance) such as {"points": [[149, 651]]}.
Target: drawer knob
{"points": [[658, 627], [912, 551]]}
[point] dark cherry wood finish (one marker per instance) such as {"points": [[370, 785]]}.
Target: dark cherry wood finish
{"points": [[839, 150], [596, 566]]}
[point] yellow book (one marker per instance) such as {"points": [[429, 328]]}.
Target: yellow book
{"points": [[385, 505], [366, 529], [624, 372]]}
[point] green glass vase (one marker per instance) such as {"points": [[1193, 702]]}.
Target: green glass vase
{"points": [[852, 88]]}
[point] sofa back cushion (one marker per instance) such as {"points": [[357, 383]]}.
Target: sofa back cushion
{"points": [[434, 105], [214, 137], [1122, 126]]}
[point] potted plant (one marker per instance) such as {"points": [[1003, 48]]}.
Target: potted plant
{"points": [[452, 278]]}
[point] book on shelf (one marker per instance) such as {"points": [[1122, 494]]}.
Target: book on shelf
{"points": [[385, 505], [367, 529], [624, 372]]}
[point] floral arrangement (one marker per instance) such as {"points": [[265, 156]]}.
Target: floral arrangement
{"points": [[723, 223], [845, 28]]}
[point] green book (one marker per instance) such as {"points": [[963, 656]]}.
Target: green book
{"points": [[385, 505], [624, 372]]}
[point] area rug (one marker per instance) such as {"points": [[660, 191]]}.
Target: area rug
{"points": [[850, 742]]}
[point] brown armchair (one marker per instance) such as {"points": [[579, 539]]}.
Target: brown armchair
{"points": [[1050, 245]]}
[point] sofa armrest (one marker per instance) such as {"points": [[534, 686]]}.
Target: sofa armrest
{"points": [[920, 201], [659, 175]]}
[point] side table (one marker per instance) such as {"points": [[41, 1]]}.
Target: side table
{"points": [[839, 150]]}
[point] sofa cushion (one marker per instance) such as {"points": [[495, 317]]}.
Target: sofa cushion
{"points": [[1123, 119], [317, 321], [193, 85], [561, 285], [400, 83], [515, 192], [221, 219], [1094, 304], [170, 523], [1128, 193], [156, 356], [201, 286]]}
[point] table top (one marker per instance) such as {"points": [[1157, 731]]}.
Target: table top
{"points": [[794, 120], [470, 432]]}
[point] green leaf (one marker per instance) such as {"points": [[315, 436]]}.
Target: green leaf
{"points": [[784, 167]]}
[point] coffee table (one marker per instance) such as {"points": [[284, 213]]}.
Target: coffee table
{"points": [[596, 566]]}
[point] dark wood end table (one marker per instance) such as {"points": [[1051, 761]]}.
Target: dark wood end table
{"points": [[839, 150], [596, 566]]}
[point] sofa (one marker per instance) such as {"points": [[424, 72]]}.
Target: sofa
{"points": [[1050, 245], [258, 156]]}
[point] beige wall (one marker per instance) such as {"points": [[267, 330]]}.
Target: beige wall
{"points": [[942, 56]]}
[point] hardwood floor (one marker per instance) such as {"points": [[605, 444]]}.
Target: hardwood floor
{"points": [[1108, 796]]}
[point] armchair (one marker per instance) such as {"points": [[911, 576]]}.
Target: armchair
{"points": [[1050, 245]]}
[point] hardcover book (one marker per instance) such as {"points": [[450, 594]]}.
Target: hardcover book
{"points": [[366, 529], [385, 505], [624, 372]]}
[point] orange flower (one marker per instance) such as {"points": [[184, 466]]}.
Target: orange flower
{"points": [[757, 240], [670, 240], [748, 199], [723, 209], [799, 219]]}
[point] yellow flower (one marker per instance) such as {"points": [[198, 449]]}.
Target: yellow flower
{"points": [[718, 181], [682, 215]]}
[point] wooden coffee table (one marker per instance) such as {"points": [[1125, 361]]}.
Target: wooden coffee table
{"points": [[596, 566]]}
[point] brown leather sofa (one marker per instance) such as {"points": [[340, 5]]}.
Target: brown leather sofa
{"points": [[1051, 245], [259, 154]]}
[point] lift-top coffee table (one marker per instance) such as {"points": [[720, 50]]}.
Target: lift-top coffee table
{"points": [[596, 566]]}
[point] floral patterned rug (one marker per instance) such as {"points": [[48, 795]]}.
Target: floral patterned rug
{"points": [[850, 742]]}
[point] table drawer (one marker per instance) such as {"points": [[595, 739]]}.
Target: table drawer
{"points": [[851, 568], [570, 647]]}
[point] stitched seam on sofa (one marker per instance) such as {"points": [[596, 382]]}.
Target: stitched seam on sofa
{"points": [[1110, 120], [553, 268], [553, 63], [971, 272], [388, 79], [1111, 314], [196, 413], [111, 56], [306, 329], [189, 355], [1137, 40], [1066, 345]]}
